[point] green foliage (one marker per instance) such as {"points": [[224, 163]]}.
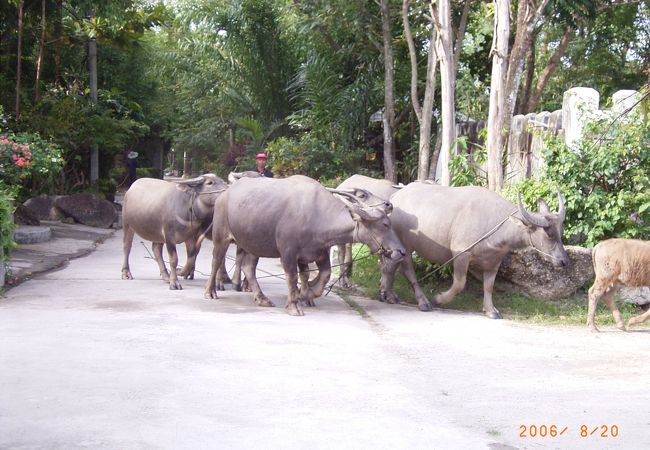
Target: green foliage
{"points": [[465, 168], [605, 179], [6, 221], [313, 157]]}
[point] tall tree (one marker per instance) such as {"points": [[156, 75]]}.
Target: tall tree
{"points": [[41, 53], [444, 44], [19, 57], [423, 113], [495, 136], [389, 98], [529, 13]]}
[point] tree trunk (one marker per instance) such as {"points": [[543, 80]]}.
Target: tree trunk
{"points": [[522, 101], [460, 36], [528, 12], [389, 101], [41, 52], [447, 83], [551, 66], [58, 36], [19, 56], [495, 137], [425, 112]]}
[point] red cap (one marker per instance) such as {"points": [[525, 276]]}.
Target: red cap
{"points": [[261, 155]]}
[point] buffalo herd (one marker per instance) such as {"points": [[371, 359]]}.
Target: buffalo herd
{"points": [[298, 220]]}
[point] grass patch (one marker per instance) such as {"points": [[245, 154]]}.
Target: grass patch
{"points": [[518, 307]]}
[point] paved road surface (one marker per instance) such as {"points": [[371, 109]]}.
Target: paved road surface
{"points": [[88, 360]]}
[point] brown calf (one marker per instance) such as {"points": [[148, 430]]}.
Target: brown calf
{"points": [[617, 263]]}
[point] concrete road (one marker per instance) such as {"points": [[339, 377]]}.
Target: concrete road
{"points": [[88, 360]]}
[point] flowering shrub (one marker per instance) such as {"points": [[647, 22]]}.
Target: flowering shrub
{"points": [[28, 163], [15, 160]]}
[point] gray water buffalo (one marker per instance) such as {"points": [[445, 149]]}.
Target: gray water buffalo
{"points": [[467, 225], [381, 188], [297, 220], [169, 213], [618, 263]]}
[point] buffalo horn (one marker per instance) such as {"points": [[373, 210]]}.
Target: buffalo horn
{"points": [[532, 218], [192, 181], [561, 210]]}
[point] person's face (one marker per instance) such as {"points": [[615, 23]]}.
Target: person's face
{"points": [[261, 163]]}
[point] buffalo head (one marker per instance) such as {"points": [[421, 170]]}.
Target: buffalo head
{"points": [[372, 224], [546, 229], [205, 188]]}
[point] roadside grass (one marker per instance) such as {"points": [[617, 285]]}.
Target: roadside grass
{"points": [[519, 307]]}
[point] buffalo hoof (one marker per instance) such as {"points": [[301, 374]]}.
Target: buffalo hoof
{"points": [[294, 310], [344, 283], [307, 302], [263, 301], [210, 294], [237, 287], [425, 306], [593, 329], [389, 297], [220, 286], [175, 287], [188, 276], [494, 314], [126, 275], [621, 327]]}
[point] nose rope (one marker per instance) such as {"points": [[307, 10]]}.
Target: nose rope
{"points": [[530, 240]]}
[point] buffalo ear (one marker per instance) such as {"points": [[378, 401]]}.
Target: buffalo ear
{"points": [[192, 182]]}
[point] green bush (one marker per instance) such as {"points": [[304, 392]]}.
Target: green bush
{"points": [[605, 179], [315, 158], [6, 221]]}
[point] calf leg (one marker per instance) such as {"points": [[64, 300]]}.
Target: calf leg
{"points": [[156, 248], [608, 298], [638, 319], [127, 243], [461, 264], [173, 262], [488, 286], [595, 293], [249, 265]]}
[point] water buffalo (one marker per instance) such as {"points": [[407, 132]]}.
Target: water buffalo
{"points": [[382, 189], [169, 213], [472, 225], [297, 220], [617, 263]]}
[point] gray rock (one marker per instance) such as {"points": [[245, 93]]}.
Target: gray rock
{"points": [[44, 207], [88, 209], [636, 296], [529, 272], [28, 234], [25, 216]]}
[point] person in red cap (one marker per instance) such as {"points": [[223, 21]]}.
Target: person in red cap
{"points": [[260, 162]]}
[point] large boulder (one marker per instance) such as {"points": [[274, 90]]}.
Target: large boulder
{"points": [[44, 207], [88, 209], [25, 216], [529, 272]]}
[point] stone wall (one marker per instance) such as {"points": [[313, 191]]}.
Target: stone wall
{"points": [[525, 147]]}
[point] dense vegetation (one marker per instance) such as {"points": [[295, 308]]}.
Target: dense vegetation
{"points": [[219, 80]]}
